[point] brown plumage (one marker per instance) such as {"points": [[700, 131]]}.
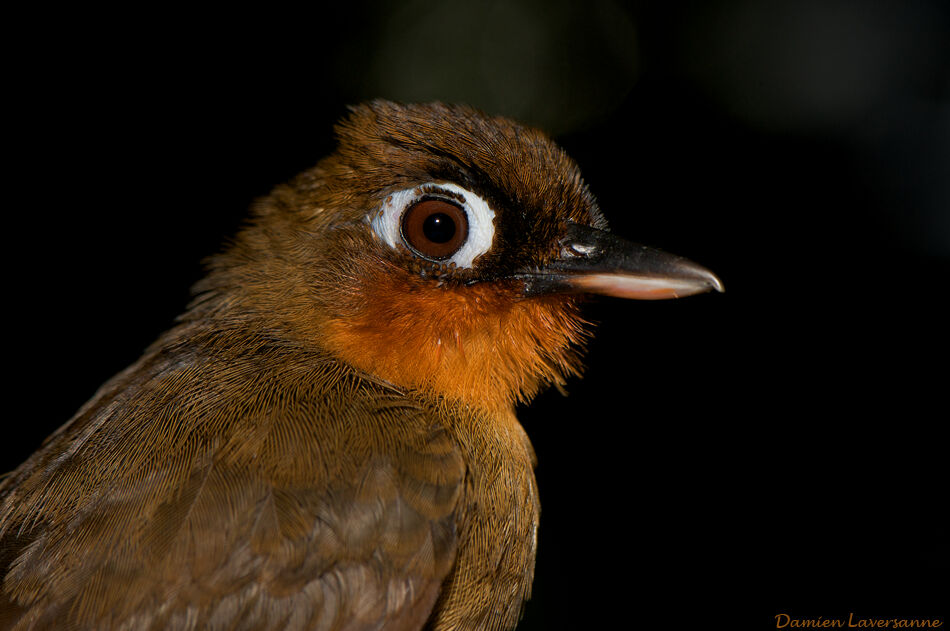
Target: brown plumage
{"points": [[327, 439]]}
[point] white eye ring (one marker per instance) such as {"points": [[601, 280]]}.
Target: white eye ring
{"points": [[481, 228]]}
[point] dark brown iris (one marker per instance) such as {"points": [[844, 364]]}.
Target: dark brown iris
{"points": [[435, 228]]}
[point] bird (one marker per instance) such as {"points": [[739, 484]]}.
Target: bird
{"points": [[327, 438]]}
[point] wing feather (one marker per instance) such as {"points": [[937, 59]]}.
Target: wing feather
{"points": [[289, 501]]}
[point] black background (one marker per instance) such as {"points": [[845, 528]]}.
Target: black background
{"points": [[776, 448]]}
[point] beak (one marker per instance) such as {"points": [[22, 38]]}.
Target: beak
{"points": [[598, 262]]}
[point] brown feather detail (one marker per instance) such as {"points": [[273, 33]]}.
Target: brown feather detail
{"points": [[260, 490], [498, 537]]}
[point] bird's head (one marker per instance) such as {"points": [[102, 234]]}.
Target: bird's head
{"points": [[440, 250]]}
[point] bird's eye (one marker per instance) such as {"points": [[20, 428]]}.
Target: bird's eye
{"points": [[435, 228], [440, 222]]}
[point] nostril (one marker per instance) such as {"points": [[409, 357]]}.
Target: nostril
{"points": [[575, 250]]}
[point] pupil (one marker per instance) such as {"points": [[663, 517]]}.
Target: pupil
{"points": [[438, 228]]}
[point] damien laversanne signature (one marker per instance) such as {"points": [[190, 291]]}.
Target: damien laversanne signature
{"points": [[783, 620]]}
